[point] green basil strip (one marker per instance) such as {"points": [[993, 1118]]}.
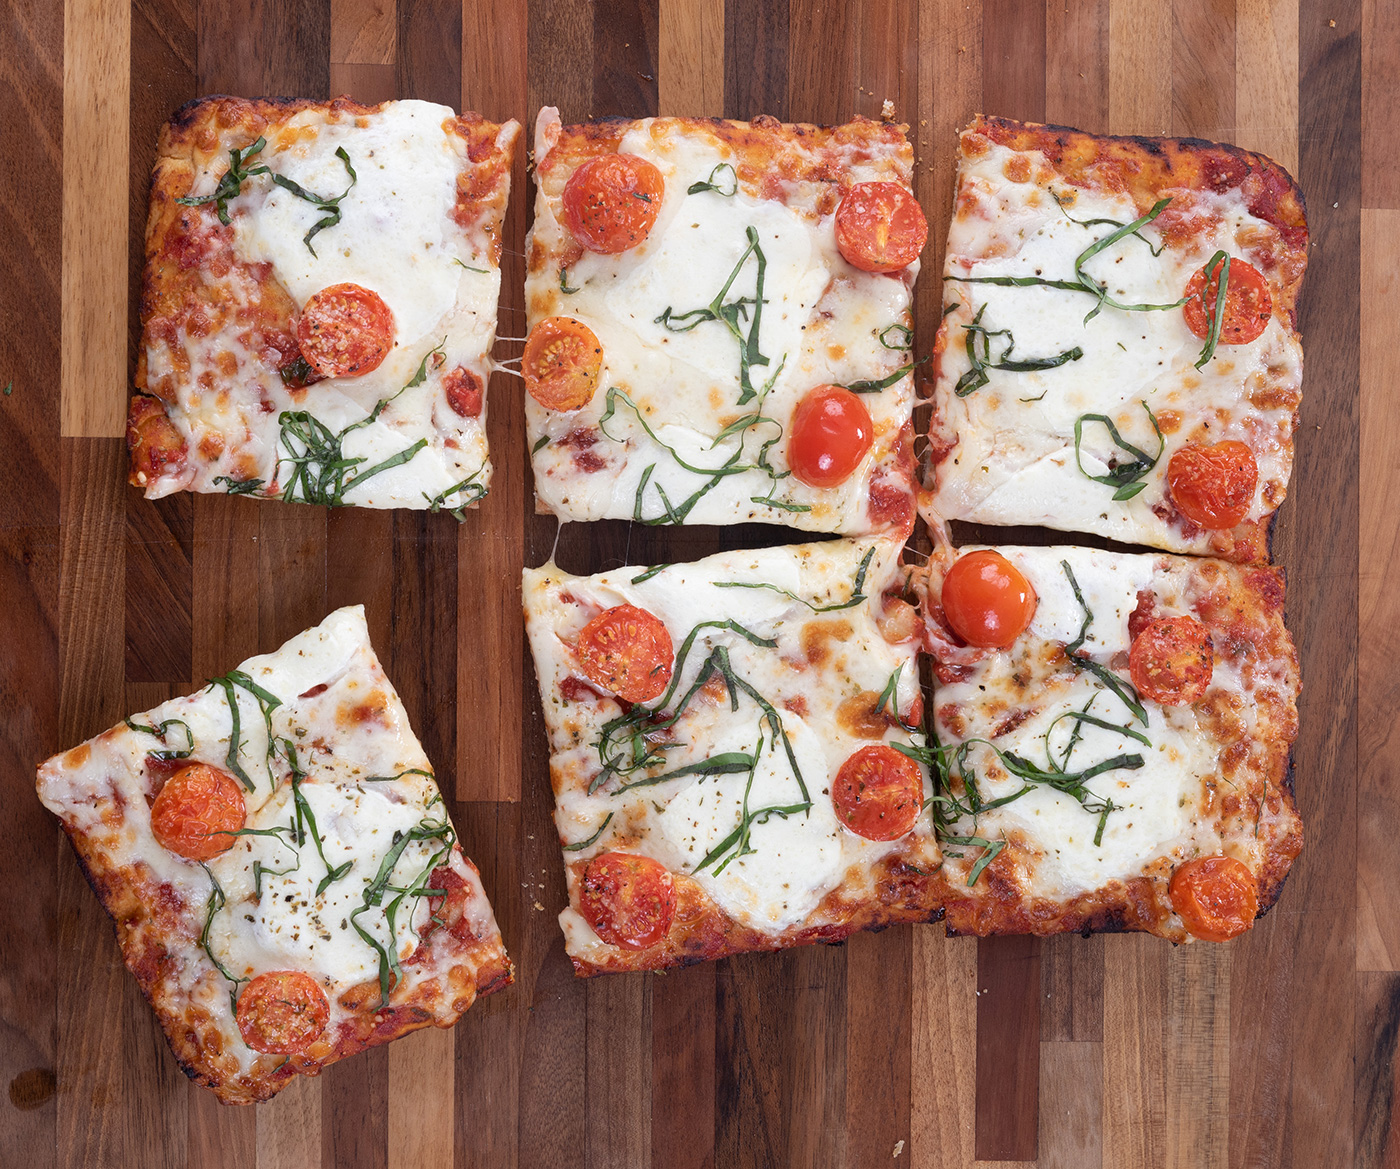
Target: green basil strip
{"points": [[159, 733], [856, 597], [1124, 692], [230, 684], [874, 386], [905, 341], [216, 902], [470, 491], [582, 844], [890, 694], [650, 572], [1220, 260], [400, 775], [711, 185], [564, 283], [726, 763], [976, 376], [540, 444], [1127, 478], [238, 486]]}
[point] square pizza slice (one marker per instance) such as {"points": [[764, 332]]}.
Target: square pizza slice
{"points": [[280, 867], [1091, 377], [720, 324], [731, 752], [1111, 743], [319, 303]]}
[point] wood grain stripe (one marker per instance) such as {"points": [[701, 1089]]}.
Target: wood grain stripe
{"points": [[96, 98], [1285, 1089], [1203, 68], [945, 1046], [1013, 60], [690, 51], [1380, 103], [755, 59], [1376, 1111], [491, 545], [1139, 88], [1071, 1115], [1008, 1048], [1378, 865], [363, 32], [1266, 79], [1076, 53], [821, 87]]}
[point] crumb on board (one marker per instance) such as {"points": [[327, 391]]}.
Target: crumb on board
{"points": [[887, 111]]}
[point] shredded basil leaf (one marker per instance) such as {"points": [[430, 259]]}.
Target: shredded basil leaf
{"points": [[976, 377], [875, 385], [1220, 260], [159, 733], [238, 486], [582, 844], [710, 184], [1127, 478], [856, 597], [230, 684]]}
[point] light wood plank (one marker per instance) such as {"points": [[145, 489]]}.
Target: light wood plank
{"points": [[421, 1100], [96, 106], [1380, 103], [945, 1047], [1266, 79], [1071, 1106], [289, 1127], [1197, 1068], [1377, 860], [1134, 1043], [368, 84], [618, 1074], [1203, 69], [363, 32], [1139, 86], [690, 81]]}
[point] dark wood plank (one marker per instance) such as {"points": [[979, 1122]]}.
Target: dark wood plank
{"points": [[755, 59], [1071, 984], [1008, 1048], [822, 41], [1013, 60], [30, 230], [429, 57], [1076, 75], [1290, 1046], [1376, 1115], [624, 56], [683, 1069], [264, 48], [879, 1077]]}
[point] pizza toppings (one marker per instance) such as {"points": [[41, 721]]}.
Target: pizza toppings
{"points": [[464, 391], [629, 900], [611, 202], [629, 651], [1172, 660], [197, 811], [562, 363], [1216, 896], [987, 600], [282, 1012], [1248, 305], [345, 330], [878, 793], [831, 435], [880, 227], [1213, 486]]}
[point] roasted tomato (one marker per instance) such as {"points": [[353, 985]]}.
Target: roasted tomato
{"points": [[629, 900], [345, 330], [629, 651], [282, 1012], [880, 227], [1248, 305], [1172, 660], [1213, 486], [831, 434], [562, 363], [196, 811], [878, 793], [611, 202], [1216, 896], [987, 600]]}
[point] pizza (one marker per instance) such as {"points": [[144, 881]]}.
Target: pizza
{"points": [[1091, 377], [720, 325], [319, 303], [284, 879], [1110, 742], [732, 752]]}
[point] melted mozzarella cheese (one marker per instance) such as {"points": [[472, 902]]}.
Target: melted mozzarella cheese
{"points": [[1014, 462], [1161, 808], [797, 859], [399, 207], [820, 324]]}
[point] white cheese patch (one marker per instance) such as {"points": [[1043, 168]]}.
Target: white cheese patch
{"points": [[398, 208], [290, 926], [1015, 460]]}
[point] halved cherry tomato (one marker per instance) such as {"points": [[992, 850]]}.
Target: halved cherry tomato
{"points": [[1213, 486], [629, 900], [464, 391], [1248, 305], [562, 363], [987, 600], [345, 330], [196, 810], [878, 793], [880, 227], [629, 651], [1172, 660], [611, 202], [831, 434], [282, 1012], [1217, 897]]}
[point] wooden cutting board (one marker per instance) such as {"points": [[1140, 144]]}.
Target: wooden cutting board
{"points": [[899, 1048]]}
